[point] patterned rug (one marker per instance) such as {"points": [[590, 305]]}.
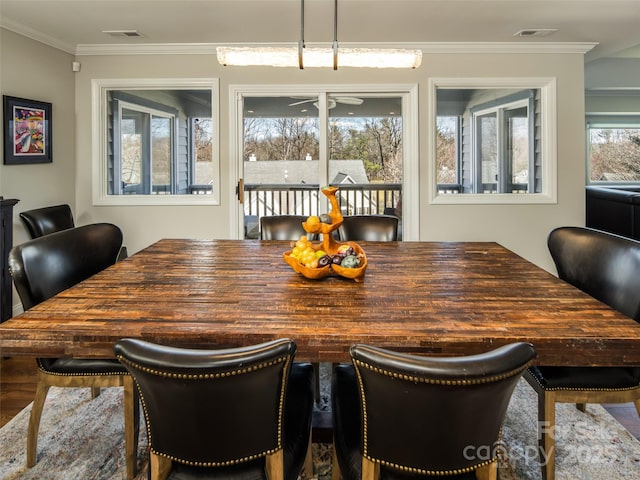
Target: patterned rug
{"points": [[83, 439]]}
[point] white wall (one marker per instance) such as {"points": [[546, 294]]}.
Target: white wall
{"points": [[613, 73], [35, 71], [522, 228]]}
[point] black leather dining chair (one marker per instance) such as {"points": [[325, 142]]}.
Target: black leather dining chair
{"points": [[378, 228], [46, 220], [399, 416], [282, 227], [40, 269], [607, 267], [232, 414]]}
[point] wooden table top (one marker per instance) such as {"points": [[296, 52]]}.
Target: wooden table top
{"points": [[417, 297]]}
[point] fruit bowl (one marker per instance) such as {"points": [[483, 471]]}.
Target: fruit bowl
{"points": [[316, 273], [331, 257]]}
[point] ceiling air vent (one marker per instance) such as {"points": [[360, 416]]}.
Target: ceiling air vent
{"points": [[122, 33], [535, 32]]}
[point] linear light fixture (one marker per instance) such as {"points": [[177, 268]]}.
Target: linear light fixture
{"points": [[319, 57]]}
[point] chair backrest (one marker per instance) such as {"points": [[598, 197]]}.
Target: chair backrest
{"points": [[431, 415], [604, 265], [378, 228], [43, 221], [282, 227], [47, 265], [211, 407]]}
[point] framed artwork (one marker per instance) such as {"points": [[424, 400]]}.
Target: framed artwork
{"points": [[27, 131]]}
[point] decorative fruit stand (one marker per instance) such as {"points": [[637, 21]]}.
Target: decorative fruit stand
{"points": [[330, 257]]}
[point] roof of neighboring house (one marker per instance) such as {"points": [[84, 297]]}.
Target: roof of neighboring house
{"points": [[302, 171]]}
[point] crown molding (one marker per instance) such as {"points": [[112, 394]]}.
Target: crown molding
{"points": [[509, 47], [428, 48], [148, 49], [37, 36]]}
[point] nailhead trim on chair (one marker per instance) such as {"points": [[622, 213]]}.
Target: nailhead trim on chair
{"points": [[421, 471], [61, 374], [210, 376], [433, 381]]}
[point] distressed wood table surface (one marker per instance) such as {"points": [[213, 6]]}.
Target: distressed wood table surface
{"points": [[418, 297]]}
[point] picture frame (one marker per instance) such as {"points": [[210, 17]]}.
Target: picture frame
{"points": [[27, 131]]}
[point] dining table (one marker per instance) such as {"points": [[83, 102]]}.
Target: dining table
{"points": [[426, 298]]}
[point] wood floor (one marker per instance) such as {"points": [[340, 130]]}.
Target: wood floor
{"points": [[17, 388]]}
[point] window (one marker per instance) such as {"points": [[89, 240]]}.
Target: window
{"points": [[493, 138], [613, 149], [157, 142], [504, 159], [143, 156]]}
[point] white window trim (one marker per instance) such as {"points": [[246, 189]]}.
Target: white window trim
{"points": [[548, 132], [99, 88], [409, 94]]}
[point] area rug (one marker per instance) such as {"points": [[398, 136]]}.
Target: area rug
{"points": [[83, 439]]}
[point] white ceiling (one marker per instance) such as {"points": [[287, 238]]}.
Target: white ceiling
{"points": [[76, 25]]}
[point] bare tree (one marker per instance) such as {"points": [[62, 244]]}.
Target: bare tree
{"points": [[615, 154]]}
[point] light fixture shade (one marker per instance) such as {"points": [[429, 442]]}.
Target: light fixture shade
{"points": [[379, 58], [319, 57]]}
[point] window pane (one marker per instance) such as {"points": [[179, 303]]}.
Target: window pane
{"points": [[614, 154], [280, 156], [155, 149], [203, 148], [446, 135], [131, 148], [493, 138], [518, 147], [161, 154], [365, 153], [487, 145]]}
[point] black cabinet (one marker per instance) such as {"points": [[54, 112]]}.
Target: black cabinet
{"points": [[6, 239]]}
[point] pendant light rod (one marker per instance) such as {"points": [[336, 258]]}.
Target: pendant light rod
{"points": [[335, 35], [318, 56], [301, 42]]}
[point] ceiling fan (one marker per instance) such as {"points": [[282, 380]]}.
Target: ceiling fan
{"points": [[331, 101]]}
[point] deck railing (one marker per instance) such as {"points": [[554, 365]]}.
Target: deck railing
{"points": [[304, 199]]}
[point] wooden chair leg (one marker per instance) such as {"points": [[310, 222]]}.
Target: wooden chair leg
{"points": [[307, 469], [546, 434], [335, 468], [131, 426], [159, 467], [487, 472], [582, 407], [275, 465], [34, 422], [637, 404], [370, 470], [95, 391]]}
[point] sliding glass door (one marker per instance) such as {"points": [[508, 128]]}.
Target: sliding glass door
{"points": [[291, 145]]}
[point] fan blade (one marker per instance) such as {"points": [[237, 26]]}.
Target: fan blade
{"points": [[302, 101], [349, 100]]}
